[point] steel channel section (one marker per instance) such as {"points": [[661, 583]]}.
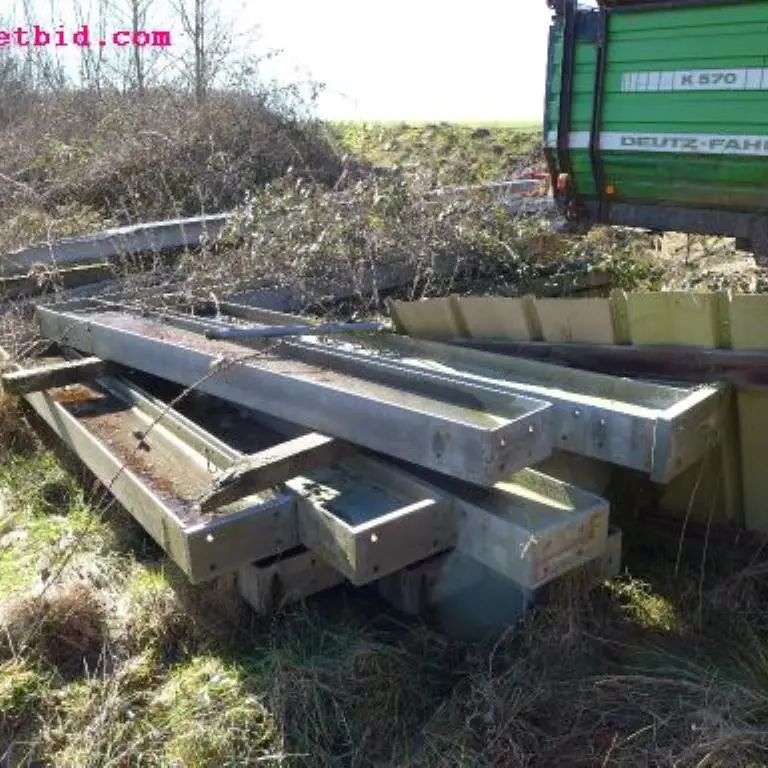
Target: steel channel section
{"points": [[152, 237], [617, 431], [487, 395], [605, 428], [269, 586], [578, 424], [661, 440], [620, 432], [423, 524], [204, 549], [453, 439], [419, 524]]}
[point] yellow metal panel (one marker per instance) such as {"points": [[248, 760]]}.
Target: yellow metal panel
{"points": [[587, 321], [749, 321], [620, 315], [428, 318], [749, 330], [711, 488], [692, 319], [495, 317]]}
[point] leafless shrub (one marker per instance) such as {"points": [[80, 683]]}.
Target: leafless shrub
{"points": [[156, 156], [309, 243]]}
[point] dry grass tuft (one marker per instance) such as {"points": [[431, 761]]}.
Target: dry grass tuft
{"points": [[93, 719], [222, 714], [157, 619], [65, 627], [16, 437], [578, 688], [22, 693], [348, 693]]}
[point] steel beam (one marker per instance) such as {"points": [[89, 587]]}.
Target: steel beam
{"points": [[400, 521], [743, 369], [273, 466], [53, 280], [110, 244], [273, 584], [661, 429], [97, 424], [455, 435], [365, 519], [414, 588], [56, 374], [654, 428], [531, 529]]}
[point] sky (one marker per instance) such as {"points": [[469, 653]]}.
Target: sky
{"points": [[417, 60]]}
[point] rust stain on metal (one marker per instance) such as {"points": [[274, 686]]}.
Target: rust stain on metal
{"points": [[572, 541], [157, 464], [76, 393]]}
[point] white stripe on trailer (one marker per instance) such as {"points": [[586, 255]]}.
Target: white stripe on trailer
{"points": [[746, 79], [689, 143]]}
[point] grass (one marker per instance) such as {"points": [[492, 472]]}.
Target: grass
{"points": [[127, 660], [452, 154], [107, 656]]}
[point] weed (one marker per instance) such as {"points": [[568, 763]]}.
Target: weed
{"points": [[156, 618], [65, 628]]}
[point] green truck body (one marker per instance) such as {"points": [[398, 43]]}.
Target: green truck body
{"points": [[657, 115]]}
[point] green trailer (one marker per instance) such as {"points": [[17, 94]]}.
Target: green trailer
{"points": [[656, 116]]}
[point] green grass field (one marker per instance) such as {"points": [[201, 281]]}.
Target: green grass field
{"points": [[449, 154]]}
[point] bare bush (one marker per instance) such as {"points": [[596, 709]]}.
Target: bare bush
{"points": [[377, 233], [155, 157]]}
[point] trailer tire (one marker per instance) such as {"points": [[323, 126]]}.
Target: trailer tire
{"points": [[759, 238]]}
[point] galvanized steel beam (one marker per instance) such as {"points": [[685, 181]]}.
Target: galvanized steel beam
{"points": [[455, 435], [110, 244], [203, 547], [661, 429], [654, 428]]}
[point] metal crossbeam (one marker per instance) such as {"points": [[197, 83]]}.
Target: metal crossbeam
{"points": [[661, 429], [273, 466], [110, 244], [56, 374]]}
